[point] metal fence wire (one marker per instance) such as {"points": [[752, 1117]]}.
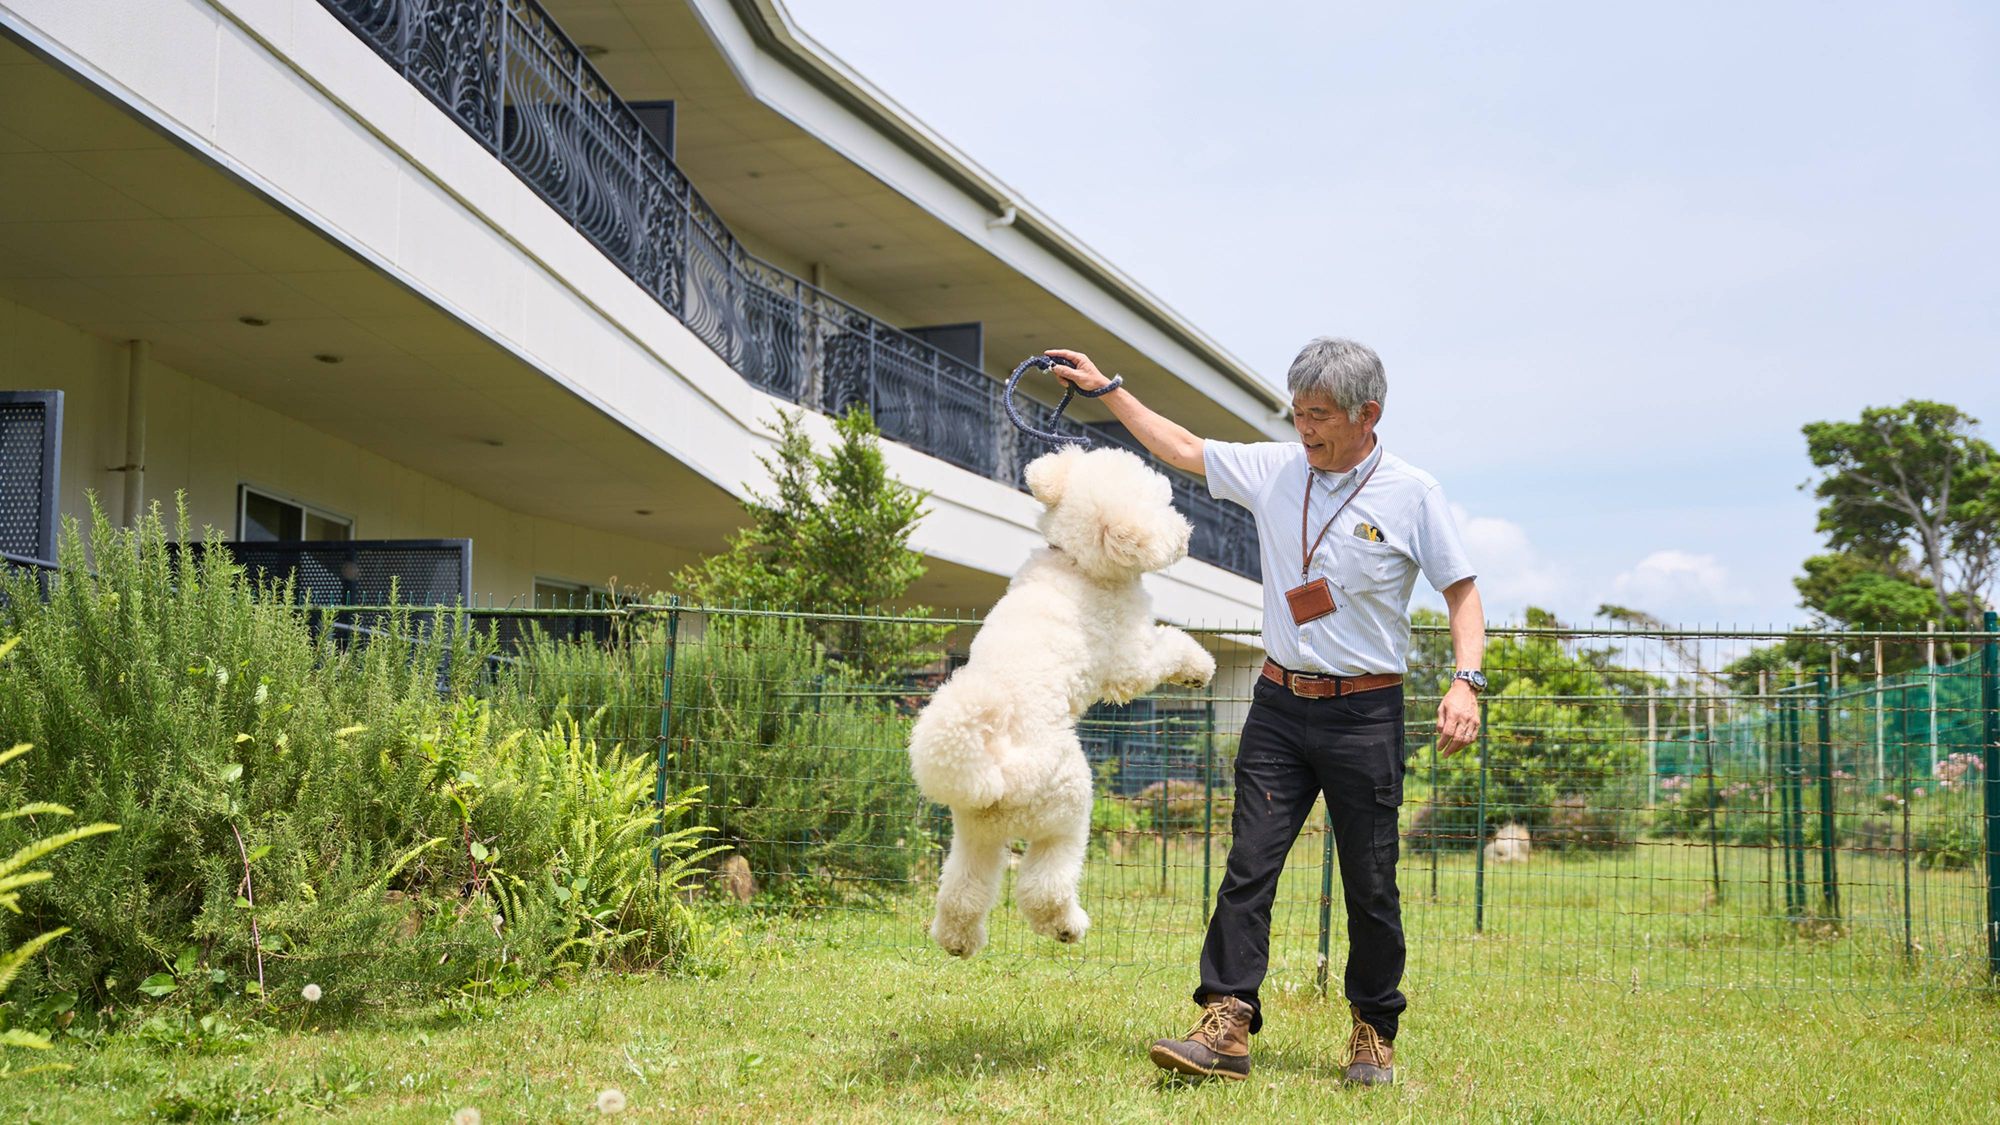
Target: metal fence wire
{"points": [[1635, 814]]}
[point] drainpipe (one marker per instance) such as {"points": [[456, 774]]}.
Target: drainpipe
{"points": [[137, 354], [1006, 218]]}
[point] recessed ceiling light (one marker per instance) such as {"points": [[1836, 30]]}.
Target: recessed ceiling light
{"points": [[642, 511], [594, 50], [756, 175], [493, 441], [874, 246], [327, 357], [252, 321]]}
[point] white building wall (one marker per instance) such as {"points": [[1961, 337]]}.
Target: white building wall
{"points": [[281, 94], [203, 442]]}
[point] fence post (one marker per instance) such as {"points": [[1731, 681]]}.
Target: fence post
{"points": [[666, 726], [1789, 751], [1325, 903], [1930, 689], [1208, 811], [1989, 667], [1714, 806], [1652, 745], [1435, 827], [1770, 777], [1479, 836], [1829, 887]]}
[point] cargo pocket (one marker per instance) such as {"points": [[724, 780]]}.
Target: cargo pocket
{"points": [[1388, 804]]}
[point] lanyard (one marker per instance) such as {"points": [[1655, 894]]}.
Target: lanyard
{"points": [[1305, 563]]}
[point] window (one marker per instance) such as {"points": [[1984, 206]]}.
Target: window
{"points": [[554, 593], [263, 518]]}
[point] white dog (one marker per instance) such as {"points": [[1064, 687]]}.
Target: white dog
{"points": [[998, 742]]}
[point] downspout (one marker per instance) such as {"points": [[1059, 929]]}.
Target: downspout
{"points": [[137, 355], [1006, 218]]}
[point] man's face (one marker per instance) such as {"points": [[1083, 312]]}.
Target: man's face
{"points": [[1333, 443]]}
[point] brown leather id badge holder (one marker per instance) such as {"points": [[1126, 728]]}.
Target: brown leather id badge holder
{"points": [[1311, 601]]}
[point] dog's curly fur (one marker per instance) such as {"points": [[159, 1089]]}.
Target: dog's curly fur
{"points": [[998, 742]]}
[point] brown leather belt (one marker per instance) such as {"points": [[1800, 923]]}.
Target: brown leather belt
{"points": [[1315, 685]]}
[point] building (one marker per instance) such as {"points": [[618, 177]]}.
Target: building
{"points": [[536, 276]]}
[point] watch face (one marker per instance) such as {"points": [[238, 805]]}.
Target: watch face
{"points": [[1476, 679]]}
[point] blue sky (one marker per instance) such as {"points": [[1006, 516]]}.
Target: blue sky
{"points": [[1612, 258]]}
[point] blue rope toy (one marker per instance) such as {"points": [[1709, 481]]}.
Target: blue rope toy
{"points": [[1044, 363]]}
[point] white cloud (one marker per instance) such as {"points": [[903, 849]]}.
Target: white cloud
{"points": [[1677, 585], [1512, 572]]}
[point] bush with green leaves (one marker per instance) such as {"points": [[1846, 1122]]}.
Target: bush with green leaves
{"points": [[803, 766], [15, 875], [1560, 744], [297, 812]]}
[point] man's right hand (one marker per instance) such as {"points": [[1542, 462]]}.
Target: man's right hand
{"points": [[1076, 369]]}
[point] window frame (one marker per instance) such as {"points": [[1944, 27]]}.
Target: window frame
{"points": [[244, 489]]}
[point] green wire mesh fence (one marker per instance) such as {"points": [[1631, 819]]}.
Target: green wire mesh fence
{"points": [[1642, 809]]}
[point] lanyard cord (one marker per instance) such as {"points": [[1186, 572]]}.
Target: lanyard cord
{"points": [[1305, 513]]}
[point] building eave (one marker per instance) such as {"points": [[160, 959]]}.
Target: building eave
{"points": [[774, 32]]}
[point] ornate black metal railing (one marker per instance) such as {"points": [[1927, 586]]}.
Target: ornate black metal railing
{"points": [[509, 76]]}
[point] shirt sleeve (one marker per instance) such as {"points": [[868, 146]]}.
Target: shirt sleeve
{"points": [[1238, 471], [1437, 545]]}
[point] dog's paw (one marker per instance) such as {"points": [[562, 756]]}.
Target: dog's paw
{"points": [[957, 938], [1067, 925], [1197, 671]]}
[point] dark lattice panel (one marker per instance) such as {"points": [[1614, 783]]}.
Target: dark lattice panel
{"points": [[30, 468], [366, 571]]}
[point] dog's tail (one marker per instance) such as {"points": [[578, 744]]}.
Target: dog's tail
{"points": [[958, 745]]}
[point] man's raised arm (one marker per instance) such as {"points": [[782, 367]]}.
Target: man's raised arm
{"points": [[1164, 438]]}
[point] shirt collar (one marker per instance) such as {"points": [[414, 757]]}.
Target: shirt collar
{"points": [[1338, 481]]}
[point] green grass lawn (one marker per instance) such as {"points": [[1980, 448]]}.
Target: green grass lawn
{"points": [[830, 1026], [1611, 988]]}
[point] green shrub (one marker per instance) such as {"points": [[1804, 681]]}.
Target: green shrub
{"points": [[1587, 823], [804, 769], [295, 813], [15, 874], [1120, 814], [1176, 805]]}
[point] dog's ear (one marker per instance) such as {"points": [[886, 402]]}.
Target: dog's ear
{"points": [[1145, 546], [1048, 474]]}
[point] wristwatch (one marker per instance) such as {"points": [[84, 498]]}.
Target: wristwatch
{"points": [[1472, 676]]}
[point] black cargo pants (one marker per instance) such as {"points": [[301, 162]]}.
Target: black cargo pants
{"points": [[1293, 749]]}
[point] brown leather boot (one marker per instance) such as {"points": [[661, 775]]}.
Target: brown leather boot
{"points": [[1371, 1059], [1217, 1047]]}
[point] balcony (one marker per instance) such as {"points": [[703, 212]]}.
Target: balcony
{"points": [[507, 75]]}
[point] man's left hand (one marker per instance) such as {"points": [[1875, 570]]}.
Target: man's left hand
{"points": [[1458, 718]]}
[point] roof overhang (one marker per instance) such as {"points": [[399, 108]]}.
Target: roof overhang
{"points": [[777, 34]]}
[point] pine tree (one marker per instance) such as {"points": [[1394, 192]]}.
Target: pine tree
{"points": [[832, 538]]}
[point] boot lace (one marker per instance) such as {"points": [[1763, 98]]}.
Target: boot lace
{"points": [[1212, 1026], [1365, 1045]]}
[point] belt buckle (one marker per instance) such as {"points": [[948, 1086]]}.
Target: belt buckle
{"points": [[1294, 679]]}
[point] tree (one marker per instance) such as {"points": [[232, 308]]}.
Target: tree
{"points": [[1560, 740], [833, 539], [1912, 493]]}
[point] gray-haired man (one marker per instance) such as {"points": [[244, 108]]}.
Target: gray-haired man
{"points": [[1327, 717]]}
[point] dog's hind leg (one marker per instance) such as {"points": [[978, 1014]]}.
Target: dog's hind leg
{"points": [[969, 884], [1046, 885]]}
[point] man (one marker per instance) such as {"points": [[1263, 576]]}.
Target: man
{"points": [[1327, 716]]}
